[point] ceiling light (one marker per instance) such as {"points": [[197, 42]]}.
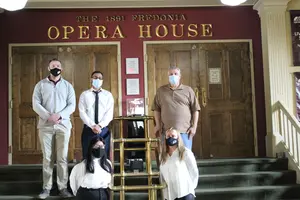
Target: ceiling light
{"points": [[232, 2], [12, 5]]}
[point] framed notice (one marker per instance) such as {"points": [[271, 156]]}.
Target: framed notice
{"points": [[132, 86], [132, 66], [295, 28], [215, 76], [135, 106]]}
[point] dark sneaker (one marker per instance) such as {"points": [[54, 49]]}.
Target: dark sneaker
{"points": [[44, 194], [65, 193]]}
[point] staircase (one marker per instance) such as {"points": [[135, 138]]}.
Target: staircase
{"points": [[225, 179]]}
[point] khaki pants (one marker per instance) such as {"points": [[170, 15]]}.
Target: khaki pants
{"points": [[50, 137]]}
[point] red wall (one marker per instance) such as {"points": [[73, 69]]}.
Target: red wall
{"points": [[31, 26]]}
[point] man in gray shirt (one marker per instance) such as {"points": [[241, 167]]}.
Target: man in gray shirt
{"points": [[54, 101]]}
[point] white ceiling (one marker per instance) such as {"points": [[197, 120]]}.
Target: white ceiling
{"points": [[124, 3]]}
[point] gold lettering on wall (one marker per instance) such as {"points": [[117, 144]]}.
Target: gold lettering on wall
{"points": [[118, 32], [192, 28], [67, 30], [174, 30], [206, 30], [83, 34], [95, 18], [82, 18], [147, 31], [112, 29], [55, 30], [101, 32], [164, 30], [159, 17]]}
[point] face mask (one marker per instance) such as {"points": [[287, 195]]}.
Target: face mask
{"points": [[98, 153], [172, 141], [174, 79], [55, 71], [97, 83]]}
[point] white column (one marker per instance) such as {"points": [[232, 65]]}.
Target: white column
{"points": [[277, 79]]}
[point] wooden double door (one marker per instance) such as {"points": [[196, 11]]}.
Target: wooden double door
{"points": [[30, 65], [220, 74]]}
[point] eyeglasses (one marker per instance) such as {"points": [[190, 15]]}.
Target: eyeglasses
{"points": [[100, 78]]}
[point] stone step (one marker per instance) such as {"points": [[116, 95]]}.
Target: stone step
{"points": [[205, 181], [206, 166], [281, 192], [230, 179]]}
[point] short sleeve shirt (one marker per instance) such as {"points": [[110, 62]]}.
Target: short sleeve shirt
{"points": [[176, 106]]}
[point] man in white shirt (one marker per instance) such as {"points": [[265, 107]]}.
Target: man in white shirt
{"points": [[96, 108], [54, 101]]}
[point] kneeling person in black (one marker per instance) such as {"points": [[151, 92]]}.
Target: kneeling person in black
{"points": [[90, 179]]}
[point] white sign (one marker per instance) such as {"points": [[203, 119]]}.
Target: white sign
{"points": [[132, 86], [132, 66], [215, 76]]}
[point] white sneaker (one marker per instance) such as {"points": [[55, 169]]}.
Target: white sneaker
{"points": [[44, 194]]}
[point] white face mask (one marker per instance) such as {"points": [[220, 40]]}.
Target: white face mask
{"points": [[174, 79], [97, 83]]}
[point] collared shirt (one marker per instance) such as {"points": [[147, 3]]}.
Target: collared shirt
{"points": [[176, 106], [180, 176], [79, 178], [50, 98], [86, 107]]}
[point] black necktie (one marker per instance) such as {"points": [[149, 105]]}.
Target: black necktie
{"points": [[96, 107]]}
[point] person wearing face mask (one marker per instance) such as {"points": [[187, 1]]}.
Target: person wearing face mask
{"points": [[54, 101], [96, 108], [178, 168], [175, 105], [90, 179]]}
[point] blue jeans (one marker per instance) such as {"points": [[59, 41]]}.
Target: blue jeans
{"points": [[187, 142]]}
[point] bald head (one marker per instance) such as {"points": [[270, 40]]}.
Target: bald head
{"points": [[174, 71]]}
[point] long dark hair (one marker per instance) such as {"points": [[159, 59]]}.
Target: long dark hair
{"points": [[89, 164]]}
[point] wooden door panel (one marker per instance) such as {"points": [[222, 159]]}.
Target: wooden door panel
{"points": [[231, 98], [26, 71], [236, 85], [30, 66], [85, 61], [238, 127]]}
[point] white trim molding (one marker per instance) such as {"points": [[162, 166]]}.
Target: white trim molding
{"points": [[270, 6], [44, 4], [276, 61]]}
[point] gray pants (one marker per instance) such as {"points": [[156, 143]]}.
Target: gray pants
{"points": [[50, 137]]}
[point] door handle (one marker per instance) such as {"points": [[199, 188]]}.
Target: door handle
{"points": [[204, 97], [196, 93]]}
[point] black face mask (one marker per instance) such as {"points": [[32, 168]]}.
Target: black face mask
{"points": [[172, 141], [55, 71], [98, 153]]}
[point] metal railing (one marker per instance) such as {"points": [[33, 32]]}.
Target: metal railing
{"points": [[152, 188]]}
